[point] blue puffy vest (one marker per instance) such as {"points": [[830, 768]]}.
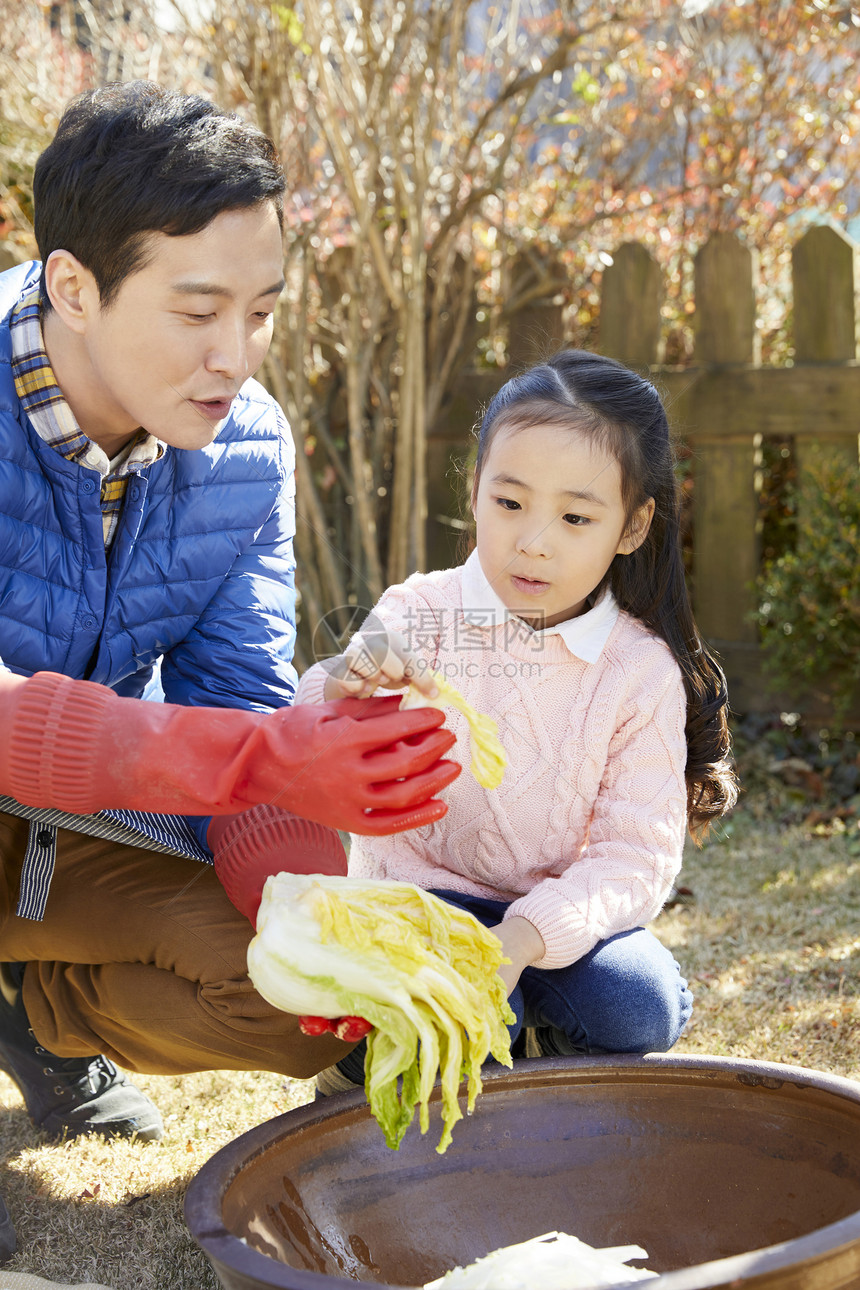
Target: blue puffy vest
{"points": [[201, 571]]}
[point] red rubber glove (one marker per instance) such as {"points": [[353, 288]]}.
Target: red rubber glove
{"points": [[358, 765], [248, 848], [349, 1029]]}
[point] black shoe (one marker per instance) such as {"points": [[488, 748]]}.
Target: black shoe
{"points": [[8, 1244], [68, 1096]]}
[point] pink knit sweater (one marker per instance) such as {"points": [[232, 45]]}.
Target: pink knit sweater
{"points": [[585, 833]]}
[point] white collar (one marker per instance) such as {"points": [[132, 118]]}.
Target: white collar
{"points": [[585, 635]]}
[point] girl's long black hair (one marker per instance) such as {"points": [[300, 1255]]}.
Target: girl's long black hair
{"points": [[600, 397]]}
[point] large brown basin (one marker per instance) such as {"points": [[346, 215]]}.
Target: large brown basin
{"points": [[730, 1173]]}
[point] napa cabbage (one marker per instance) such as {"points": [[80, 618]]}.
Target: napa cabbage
{"points": [[554, 1261], [423, 973]]}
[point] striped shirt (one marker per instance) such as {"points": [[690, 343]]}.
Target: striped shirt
{"points": [[166, 834], [54, 422]]}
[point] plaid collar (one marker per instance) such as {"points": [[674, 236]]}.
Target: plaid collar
{"points": [[54, 420]]}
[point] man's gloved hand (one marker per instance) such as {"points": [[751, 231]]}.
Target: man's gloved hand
{"points": [[248, 848], [349, 1029], [358, 765], [352, 764]]}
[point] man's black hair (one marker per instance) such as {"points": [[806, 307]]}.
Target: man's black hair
{"points": [[133, 159]]}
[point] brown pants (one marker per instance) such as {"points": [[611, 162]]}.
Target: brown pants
{"points": [[142, 957]]}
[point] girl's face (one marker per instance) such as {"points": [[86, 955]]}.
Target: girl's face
{"points": [[550, 520]]}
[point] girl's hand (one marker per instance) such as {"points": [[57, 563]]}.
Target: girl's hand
{"points": [[376, 658], [523, 945]]}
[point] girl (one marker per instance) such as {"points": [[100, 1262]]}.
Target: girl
{"points": [[571, 626]]}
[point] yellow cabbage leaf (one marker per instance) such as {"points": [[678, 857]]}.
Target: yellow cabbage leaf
{"points": [[488, 755]]}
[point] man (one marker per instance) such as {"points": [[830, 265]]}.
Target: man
{"points": [[146, 524]]}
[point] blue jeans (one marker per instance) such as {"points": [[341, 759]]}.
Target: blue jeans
{"points": [[626, 995]]}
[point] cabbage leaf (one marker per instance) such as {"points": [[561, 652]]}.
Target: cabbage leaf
{"points": [[423, 973], [488, 756], [554, 1261]]}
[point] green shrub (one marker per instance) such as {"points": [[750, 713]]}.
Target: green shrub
{"points": [[809, 597]]}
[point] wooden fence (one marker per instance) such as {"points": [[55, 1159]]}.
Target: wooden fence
{"points": [[722, 405]]}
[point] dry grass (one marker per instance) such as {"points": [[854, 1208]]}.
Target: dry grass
{"points": [[94, 1212], [111, 1212], [771, 944]]}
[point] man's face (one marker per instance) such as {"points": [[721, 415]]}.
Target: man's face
{"points": [[184, 332]]}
